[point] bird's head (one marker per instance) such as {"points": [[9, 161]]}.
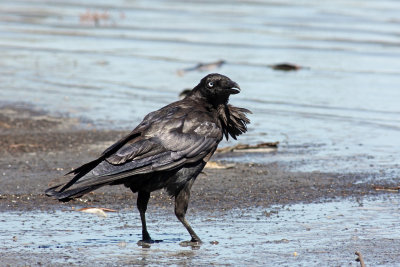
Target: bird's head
{"points": [[217, 88]]}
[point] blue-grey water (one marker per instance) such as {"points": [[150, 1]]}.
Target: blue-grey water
{"points": [[342, 110]]}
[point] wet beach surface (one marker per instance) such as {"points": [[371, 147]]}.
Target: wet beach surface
{"points": [[75, 77], [316, 234]]}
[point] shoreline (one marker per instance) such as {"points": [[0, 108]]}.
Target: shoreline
{"points": [[37, 147]]}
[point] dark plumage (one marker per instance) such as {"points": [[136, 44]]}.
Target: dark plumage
{"points": [[168, 149]]}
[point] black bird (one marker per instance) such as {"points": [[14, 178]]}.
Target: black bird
{"points": [[168, 149]]}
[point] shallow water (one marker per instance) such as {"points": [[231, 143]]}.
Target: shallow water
{"points": [[326, 233], [342, 110]]}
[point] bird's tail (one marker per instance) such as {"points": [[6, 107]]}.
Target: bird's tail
{"points": [[94, 175], [77, 187], [69, 194], [63, 192]]}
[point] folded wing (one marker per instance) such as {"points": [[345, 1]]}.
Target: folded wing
{"points": [[165, 140]]}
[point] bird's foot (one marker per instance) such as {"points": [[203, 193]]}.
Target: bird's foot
{"points": [[194, 243], [148, 242]]}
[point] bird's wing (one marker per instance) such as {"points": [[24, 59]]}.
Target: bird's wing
{"points": [[163, 141]]}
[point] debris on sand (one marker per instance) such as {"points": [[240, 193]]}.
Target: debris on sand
{"points": [[202, 67], [217, 165], [98, 211], [395, 189], [261, 147], [285, 67]]}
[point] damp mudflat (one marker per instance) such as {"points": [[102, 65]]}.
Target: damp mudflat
{"points": [[325, 234]]}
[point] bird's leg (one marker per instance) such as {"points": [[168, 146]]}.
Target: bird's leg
{"points": [[181, 205], [142, 200]]}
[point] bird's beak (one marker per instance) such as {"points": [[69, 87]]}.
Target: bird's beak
{"points": [[234, 88]]}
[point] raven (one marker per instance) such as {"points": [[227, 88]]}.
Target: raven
{"points": [[168, 149]]}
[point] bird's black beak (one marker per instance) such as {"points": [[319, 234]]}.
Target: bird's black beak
{"points": [[234, 88]]}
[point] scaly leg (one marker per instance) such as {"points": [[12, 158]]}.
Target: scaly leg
{"points": [[181, 205], [142, 200]]}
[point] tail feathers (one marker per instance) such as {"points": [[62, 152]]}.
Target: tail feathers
{"points": [[52, 192], [82, 181], [67, 195], [80, 172], [74, 188]]}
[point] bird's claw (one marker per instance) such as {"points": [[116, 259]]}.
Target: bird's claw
{"points": [[147, 242], [192, 243]]}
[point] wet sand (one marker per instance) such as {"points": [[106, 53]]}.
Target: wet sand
{"points": [[37, 147]]}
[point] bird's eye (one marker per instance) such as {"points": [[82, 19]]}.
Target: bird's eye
{"points": [[210, 84]]}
